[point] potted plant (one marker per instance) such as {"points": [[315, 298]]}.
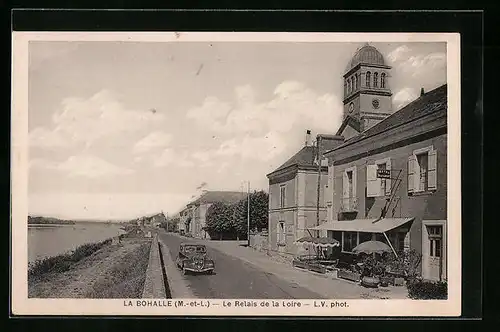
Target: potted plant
{"points": [[371, 272]]}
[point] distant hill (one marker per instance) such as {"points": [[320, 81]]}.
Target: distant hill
{"points": [[48, 220]]}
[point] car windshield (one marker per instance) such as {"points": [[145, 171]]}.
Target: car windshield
{"points": [[194, 249]]}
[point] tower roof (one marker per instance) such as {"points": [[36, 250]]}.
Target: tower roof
{"points": [[366, 55]]}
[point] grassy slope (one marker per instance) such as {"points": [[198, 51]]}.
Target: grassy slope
{"points": [[125, 279], [113, 271]]}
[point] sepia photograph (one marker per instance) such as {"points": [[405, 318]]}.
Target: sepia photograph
{"points": [[236, 173]]}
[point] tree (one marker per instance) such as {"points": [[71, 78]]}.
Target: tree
{"points": [[259, 217], [219, 221]]}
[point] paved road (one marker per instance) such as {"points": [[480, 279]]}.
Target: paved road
{"points": [[235, 279]]}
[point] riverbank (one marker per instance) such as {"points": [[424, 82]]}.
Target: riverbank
{"points": [[115, 270]]}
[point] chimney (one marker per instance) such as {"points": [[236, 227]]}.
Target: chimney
{"points": [[422, 92], [308, 137]]}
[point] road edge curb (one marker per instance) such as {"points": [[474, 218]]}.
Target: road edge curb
{"points": [[177, 284]]}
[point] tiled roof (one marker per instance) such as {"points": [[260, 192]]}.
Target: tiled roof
{"points": [[305, 157], [430, 102], [219, 196]]}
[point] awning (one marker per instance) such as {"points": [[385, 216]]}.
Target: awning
{"points": [[363, 225]]}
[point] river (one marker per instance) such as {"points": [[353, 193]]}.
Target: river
{"points": [[51, 240]]}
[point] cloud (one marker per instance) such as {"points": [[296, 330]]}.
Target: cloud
{"points": [[170, 156], [398, 53], [257, 148], [85, 121], [156, 139], [82, 166], [404, 96], [41, 137], [293, 106], [414, 69], [39, 163], [418, 65]]}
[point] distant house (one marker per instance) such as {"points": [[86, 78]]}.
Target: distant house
{"points": [[154, 220], [186, 216], [293, 198], [193, 216]]}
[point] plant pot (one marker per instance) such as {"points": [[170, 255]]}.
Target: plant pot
{"points": [[372, 282], [349, 275], [384, 283]]}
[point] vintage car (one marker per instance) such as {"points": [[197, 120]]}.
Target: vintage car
{"points": [[193, 258]]}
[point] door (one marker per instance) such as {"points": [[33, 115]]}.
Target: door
{"points": [[435, 260]]}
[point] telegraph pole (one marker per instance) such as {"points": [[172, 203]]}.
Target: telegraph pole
{"points": [[248, 215], [319, 157]]}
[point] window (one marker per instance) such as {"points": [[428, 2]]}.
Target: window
{"points": [[375, 80], [401, 242], [422, 175], [383, 182], [355, 80], [422, 168], [382, 80], [281, 232], [335, 235], [435, 237], [349, 183], [349, 189], [363, 237], [368, 78], [375, 185], [348, 86], [350, 241], [282, 196]]}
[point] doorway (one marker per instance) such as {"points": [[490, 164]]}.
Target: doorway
{"points": [[434, 251]]}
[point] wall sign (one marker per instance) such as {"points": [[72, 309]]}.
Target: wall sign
{"points": [[383, 174]]}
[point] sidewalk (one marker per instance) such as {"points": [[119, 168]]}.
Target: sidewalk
{"points": [[318, 283]]}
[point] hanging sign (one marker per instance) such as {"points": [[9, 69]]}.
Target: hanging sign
{"points": [[383, 174]]}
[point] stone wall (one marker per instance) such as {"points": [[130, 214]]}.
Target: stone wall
{"points": [[154, 285], [259, 241]]}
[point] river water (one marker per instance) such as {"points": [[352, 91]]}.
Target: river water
{"points": [[51, 240]]}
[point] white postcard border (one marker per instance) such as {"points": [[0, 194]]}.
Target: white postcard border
{"points": [[20, 303]]}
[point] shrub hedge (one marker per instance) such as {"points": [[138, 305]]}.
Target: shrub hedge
{"points": [[62, 263], [427, 290]]}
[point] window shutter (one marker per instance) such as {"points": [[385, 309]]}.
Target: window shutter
{"points": [[345, 185], [372, 183], [388, 184], [329, 187], [354, 181], [326, 196], [278, 236], [432, 169], [411, 173]]}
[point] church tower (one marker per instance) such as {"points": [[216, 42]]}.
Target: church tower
{"points": [[367, 93]]}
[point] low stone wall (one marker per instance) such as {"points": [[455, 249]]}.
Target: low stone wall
{"points": [[154, 285], [259, 241]]}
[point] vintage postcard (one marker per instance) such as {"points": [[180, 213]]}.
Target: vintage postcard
{"points": [[236, 174]]}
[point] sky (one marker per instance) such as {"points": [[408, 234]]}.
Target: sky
{"points": [[122, 129]]}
